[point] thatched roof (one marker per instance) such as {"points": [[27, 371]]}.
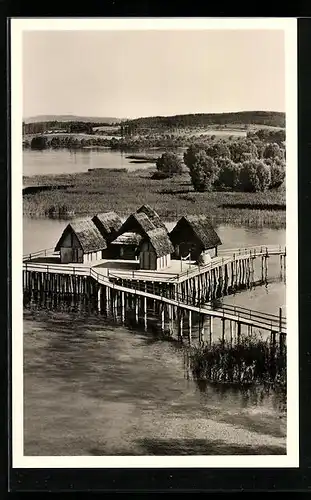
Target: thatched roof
{"points": [[89, 237], [137, 223], [152, 214], [201, 227], [160, 241], [128, 238], [108, 223]]}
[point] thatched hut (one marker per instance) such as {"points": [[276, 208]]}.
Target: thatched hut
{"points": [[125, 246], [108, 223], [81, 242], [137, 223], [194, 234], [155, 250], [152, 215]]}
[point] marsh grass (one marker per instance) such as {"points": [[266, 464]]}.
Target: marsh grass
{"points": [[122, 191], [251, 363]]}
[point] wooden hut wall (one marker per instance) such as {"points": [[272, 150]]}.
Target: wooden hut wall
{"points": [[147, 257], [91, 256], [70, 250]]}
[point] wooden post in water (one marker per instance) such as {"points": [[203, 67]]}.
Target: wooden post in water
{"points": [[170, 318], [223, 330], [108, 299], [231, 333], [238, 332], [145, 313], [115, 303], [163, 317], [136, 308], [180, 324], [122, 307], [99, 298], [211, 330], [190, 326]]}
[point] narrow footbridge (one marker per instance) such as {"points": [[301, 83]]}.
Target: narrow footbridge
{"points": [[114, 293]]}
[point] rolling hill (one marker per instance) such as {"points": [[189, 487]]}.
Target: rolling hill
{"points": [[71, 118], [264, 118]]}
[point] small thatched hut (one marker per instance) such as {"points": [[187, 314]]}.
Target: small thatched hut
{"points": [[125, 246], [155, 250], [194, 234], [108, 223], [80, 242]]}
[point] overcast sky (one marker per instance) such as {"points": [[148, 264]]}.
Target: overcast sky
{"points": [[128, 74]]}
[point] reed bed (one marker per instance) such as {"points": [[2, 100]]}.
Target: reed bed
{"points": [[118, 190], [251, 362]]}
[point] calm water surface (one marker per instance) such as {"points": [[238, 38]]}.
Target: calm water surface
{"points": [[62, 161], [93, 388], [97, 389]]}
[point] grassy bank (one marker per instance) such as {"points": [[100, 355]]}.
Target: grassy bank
{"points": [[112, 189]]}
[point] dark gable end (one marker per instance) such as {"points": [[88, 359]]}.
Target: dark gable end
{"points": [[160, 241], [201, 228], [88, 235]]}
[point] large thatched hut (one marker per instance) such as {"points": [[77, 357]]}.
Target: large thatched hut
{"points": [[194, 234], [81, 242], [143, 236]]}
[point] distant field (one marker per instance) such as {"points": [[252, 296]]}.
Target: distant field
{"points": [[29, 137], [106, 128]]}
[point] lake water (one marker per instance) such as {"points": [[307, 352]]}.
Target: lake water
{"points": [[63, 161], [95, 388]]}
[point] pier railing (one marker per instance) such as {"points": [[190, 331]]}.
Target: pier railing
{"points": [[253, 251], [40, 253], [246, 316]]}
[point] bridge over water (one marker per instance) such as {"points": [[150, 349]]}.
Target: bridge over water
{"points": [[177, 297]]}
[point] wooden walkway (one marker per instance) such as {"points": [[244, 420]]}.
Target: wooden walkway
{"points": [[38, 276]]}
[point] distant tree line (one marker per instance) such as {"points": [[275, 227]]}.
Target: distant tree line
{"points": [[267, 118], [64, 126]]}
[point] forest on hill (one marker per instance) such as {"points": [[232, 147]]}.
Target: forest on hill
{"points": [[264, 118]]}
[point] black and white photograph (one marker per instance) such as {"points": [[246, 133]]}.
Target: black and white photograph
{"points": [[154, 243]]}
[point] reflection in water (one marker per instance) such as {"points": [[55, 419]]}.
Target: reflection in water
{"points": [[64, 161], [96, 388]]}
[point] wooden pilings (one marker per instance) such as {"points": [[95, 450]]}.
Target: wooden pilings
{"points": [[73, 291]]}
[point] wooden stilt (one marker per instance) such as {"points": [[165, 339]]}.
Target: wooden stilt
{"points": [[162, 317], [145, 313], [123, 306], [136, 308]]}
